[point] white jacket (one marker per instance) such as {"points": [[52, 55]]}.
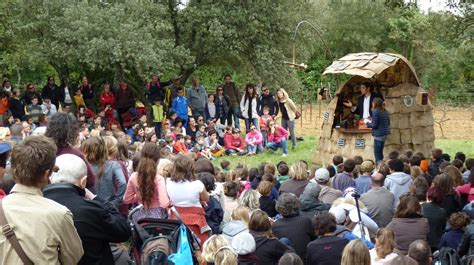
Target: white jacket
{"points": [[244, 108]]}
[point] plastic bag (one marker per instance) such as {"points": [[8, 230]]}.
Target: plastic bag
{"points": [[183, 254]]}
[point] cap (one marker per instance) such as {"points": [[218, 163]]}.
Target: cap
{"points": [[322, 175], [367, 166], [312, 189], [5, 147]]}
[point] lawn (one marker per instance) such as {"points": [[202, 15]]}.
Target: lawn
{"points": [[306, 149]]}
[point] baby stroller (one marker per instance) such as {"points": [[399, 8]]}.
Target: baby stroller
{"points": [[161, 241]]}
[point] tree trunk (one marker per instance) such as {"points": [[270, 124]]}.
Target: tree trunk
{"points": [[63, 72]]}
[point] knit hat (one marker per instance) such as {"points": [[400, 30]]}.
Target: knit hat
{"points": [[312, 189], [321, 175], [424, 165], [367, 166], [243, 243]]}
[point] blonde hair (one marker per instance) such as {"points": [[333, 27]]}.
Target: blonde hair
{"points": [[111, 145], [164, 167], [211, 246], [385, 242], [225, 256], [265, 188], [355, 253], [95, 152], [241, 213], [250, 200], [455, 174], [298, 171], [415, 171]]}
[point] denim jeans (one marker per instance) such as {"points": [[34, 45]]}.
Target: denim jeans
{"points": [[233, 111], [378, 150], [283, 144], [254, 148], [265, 137], [290, 127], [249, 122], [230, 151], [157, 126]]}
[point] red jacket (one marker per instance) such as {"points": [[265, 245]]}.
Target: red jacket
{"points": [[280, 133], [105, 99], [233, 142], [180, 148]]}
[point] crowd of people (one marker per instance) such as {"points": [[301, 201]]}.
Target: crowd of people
{"points": [[180, 119], [67, 189]]}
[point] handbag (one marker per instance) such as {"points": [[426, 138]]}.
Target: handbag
{"points": [[11, 236], [297, 115]]}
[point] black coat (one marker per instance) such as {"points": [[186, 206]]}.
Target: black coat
{"points": [[466, 247], [54, 93], [17, 108], [360, 105], [98, 223], [270, 102]]}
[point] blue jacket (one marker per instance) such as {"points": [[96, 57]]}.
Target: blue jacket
{"points": [[380, 123], [180, 106]]}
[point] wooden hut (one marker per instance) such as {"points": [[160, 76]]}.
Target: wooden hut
{"points": [[395, 80]]}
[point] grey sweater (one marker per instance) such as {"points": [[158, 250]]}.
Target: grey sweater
{"points": [[111, 185]]}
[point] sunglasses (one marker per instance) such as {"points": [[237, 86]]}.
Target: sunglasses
{"points": [[220, 89]]}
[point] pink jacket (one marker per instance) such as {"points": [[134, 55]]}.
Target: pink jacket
{"points": [[254, 136], [280, 133], [160, 197]]}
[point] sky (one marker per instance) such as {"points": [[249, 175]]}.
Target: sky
{"points": [[433, 5]]}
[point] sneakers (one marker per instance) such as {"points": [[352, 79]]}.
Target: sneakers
{"points": [[284, 155]]}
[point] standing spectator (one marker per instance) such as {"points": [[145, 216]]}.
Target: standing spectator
{"points": [[7, 86], [267, 100], [298, 229], [419, 250], [63, 128], [269, 249], [380, 125], [408, 224], [98, 223], [264, 119], [43, 226], [4, 106], [277, 136], [233, 93], [16, 105], [397, 182], [124, 100], [106, 97], [30, 91], [327, 248], [249, 106], [211, 109], [222, 103], [436, 216], [383, 253], [436, 160], [298, 179], [53, 92], [188, 194], [233, 141], [355, 253], [197, 97], [79, 99], [110, 182], [254, 141], [157, 115], [34, 110], [345, 180], [87, 92], [146, 186], [363, 181], [288, 111], [65, 90], [310, 204], [327, 194], [379, 201], [172, 91], [48, 108], [179, 105], [157, 89]]}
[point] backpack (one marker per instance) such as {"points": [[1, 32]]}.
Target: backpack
{"points": [[446, 256], [155, 251]]}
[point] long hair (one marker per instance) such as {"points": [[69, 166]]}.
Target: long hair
{"points": [[96, 152], [355, 253], [378, 104], [385, 242], [183, 169], [260, 223], [146, 172], [247, 94]]}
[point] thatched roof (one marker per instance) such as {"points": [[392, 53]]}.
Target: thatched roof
{"points": [[367, 64]]}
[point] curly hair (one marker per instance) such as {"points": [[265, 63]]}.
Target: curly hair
{"points": [[288, 205], [146, 172], [63, 128]]}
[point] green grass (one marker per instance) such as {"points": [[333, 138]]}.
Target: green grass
{"points": [[305, 151]]}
